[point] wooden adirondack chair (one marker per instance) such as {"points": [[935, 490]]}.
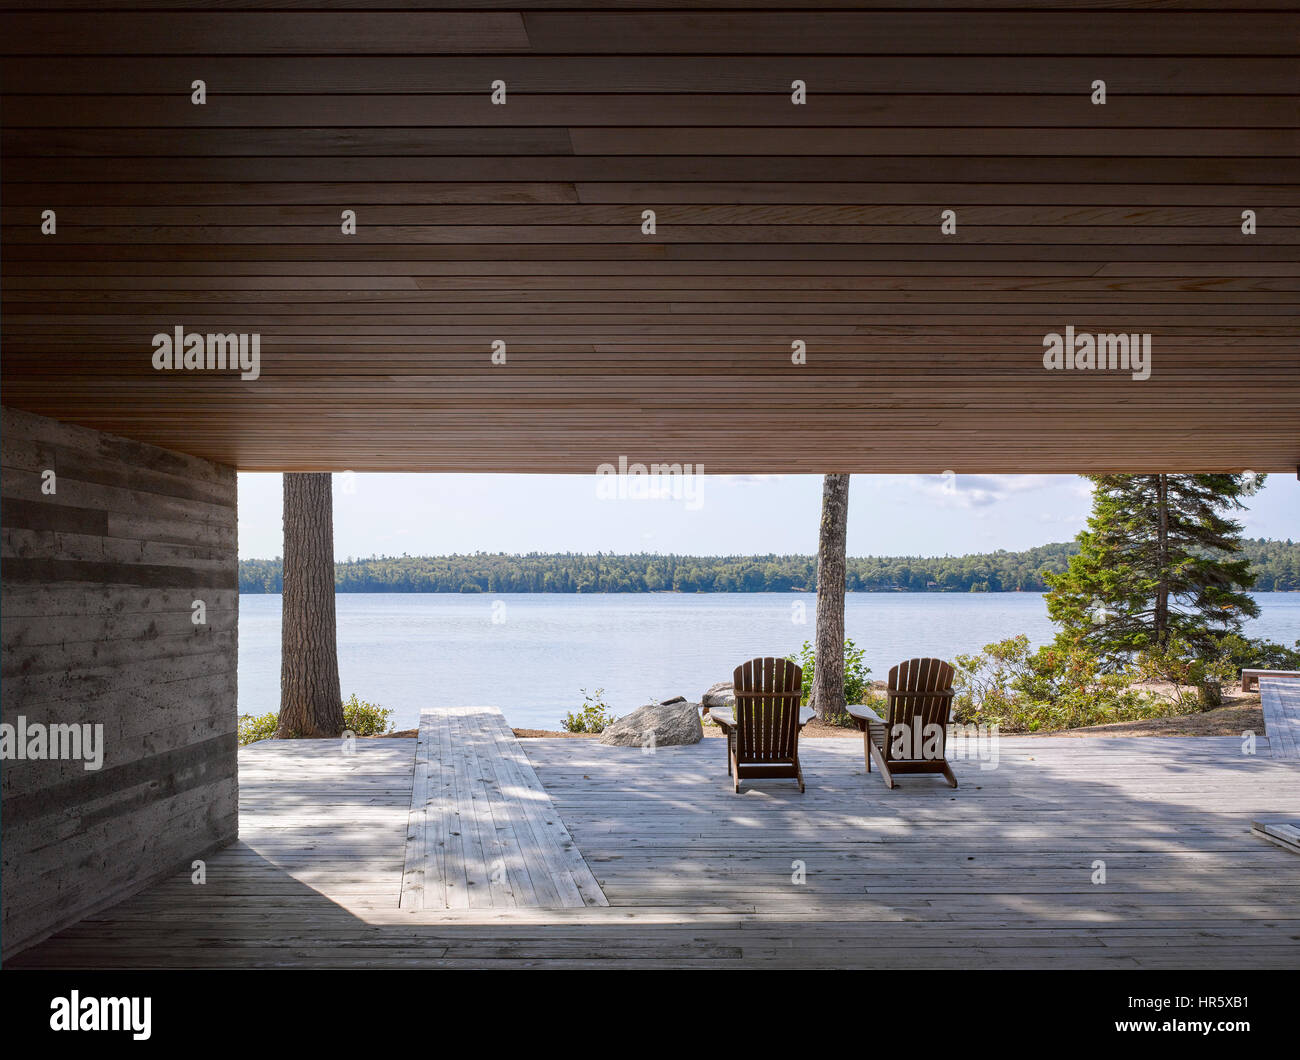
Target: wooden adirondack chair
{"points": [[913, 737], [764, 739]]}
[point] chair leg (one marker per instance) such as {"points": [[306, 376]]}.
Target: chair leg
{"points": [[735, 774], [798, 769], [947, 772], [882, 765], [866, 747]]}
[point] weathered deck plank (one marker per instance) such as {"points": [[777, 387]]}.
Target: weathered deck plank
{"points": [[1280, 698], [486, 836], [996, 874]]}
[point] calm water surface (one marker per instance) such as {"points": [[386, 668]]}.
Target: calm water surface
{"points": [[530, 653]]}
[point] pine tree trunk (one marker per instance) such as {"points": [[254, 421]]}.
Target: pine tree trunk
{"points": [[1161, 618], [311, 704], [828, 671]]}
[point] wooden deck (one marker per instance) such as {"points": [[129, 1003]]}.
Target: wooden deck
{"points": [[998, 873], [1280, 698], [482, 832]]}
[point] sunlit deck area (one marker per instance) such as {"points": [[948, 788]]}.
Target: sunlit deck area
{"points": [[1004, 871]]}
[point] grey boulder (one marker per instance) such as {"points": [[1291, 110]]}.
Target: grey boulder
{"points": [[657, 725], [720, 695]]}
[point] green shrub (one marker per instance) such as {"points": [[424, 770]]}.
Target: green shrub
{"points": [[253, 727], [1259, 654], [1020, 690], [857, 681], [593, 716], [366, 719], [1196, 678], [362, 718]]}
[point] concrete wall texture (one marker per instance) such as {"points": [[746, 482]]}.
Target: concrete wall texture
{"points": [[109, 548]]}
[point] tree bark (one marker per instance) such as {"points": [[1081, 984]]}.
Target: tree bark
{"points": [[1161, 619], [828, 669], [311, 704]]}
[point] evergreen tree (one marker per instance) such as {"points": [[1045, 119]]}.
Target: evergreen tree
{"points": [[1276, 564], [1159, 560]]}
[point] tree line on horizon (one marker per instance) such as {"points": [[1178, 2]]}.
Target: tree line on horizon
{"points": [[1275, 564]]}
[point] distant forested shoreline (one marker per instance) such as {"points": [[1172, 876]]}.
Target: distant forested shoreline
{"points": [[1275, 563]]}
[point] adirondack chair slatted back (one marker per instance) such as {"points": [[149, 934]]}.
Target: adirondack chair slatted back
{"points": [[767, 710], [911, 706]]}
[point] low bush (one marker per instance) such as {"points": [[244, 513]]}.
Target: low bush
{"points": [[1259, 654], [254, 727], [1195, 680], [1023, 690], [366, 719], [593, 716], [857, 679], [362, 718]]}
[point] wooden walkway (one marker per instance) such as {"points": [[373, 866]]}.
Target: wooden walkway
{"points": [[482, 832], [1002, 872], [1280, 697]]}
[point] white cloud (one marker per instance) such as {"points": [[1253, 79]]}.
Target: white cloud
{"points": [[978, 491]]}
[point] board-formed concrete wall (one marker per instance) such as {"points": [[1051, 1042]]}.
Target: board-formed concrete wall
{"points": [[108, 545]]}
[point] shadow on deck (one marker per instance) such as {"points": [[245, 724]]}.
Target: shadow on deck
{"points": [[1003, 872]]}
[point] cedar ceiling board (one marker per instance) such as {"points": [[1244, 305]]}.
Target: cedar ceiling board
{"points": [[703, 257], [794, 171], [604, 142], [732, 193], [108, 115], [685, 7], [232, 295], [1014, 286], [884, 73], [677, 216], [596, 32], [437, 272], [1117, 218], [760, 236]]}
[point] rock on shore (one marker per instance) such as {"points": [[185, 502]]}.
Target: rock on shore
{"points": [[666, 724], [720, 695]]}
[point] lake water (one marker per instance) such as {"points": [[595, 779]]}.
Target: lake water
{"points": [[531, 653]]}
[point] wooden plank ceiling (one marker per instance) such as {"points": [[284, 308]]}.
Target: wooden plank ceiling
{"points": [[776, 222]]}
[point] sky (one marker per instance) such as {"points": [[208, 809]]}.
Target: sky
{"points": [[889, 515]]}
